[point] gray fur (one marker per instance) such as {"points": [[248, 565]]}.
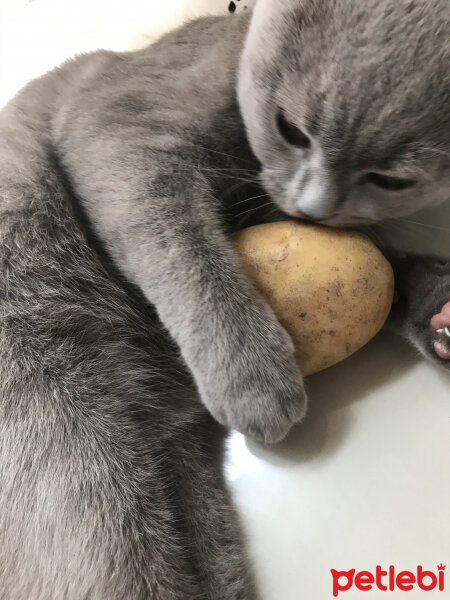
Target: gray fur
{"points": [[377, 101], [121, 177]]}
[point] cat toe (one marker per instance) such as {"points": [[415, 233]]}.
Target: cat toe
{"points": [[441, 324], [442, 343], [442, 319]]}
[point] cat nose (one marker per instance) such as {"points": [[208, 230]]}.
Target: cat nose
{"points": [[317, 201]]}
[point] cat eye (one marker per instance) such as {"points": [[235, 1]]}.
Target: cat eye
{"points": [[291, 133], [386, 182]]}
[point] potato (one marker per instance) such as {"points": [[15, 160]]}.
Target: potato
{"points": [[331, 289]]}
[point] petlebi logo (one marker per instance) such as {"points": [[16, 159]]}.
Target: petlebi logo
{"points": [[389, 579]]}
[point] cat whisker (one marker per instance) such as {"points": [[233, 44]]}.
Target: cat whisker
{"points": [[248, 200], [250, 212], [435, 150], [419, 224], [237, 186], [230, 172], [226, 154], [374, 233]]}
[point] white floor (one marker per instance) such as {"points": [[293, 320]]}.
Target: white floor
{"points": [[365, 480]]}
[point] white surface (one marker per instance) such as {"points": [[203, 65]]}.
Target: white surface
{"points": [[36, 35], [365, 480]]}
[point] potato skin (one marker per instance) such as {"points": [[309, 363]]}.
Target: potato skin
{"points": [[331, 289]]}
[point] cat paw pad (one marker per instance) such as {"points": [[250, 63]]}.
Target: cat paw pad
{"points": [[441, 324]]}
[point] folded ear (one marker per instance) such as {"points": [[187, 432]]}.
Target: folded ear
{"points": [[280, 19], [274, 34]]}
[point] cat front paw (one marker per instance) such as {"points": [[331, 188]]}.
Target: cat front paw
{"points": [[268, 410], [262, 399], [440, 324], [422, 313]]}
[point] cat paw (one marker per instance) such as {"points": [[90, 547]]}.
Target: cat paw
{"points": [[262, 402], [422, 312], [440, 324], [267, 413]]}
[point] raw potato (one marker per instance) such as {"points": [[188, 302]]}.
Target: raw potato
{"points": [[331, 289]]}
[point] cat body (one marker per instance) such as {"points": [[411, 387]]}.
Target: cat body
{"points": [[111, 483], [126, 319]]}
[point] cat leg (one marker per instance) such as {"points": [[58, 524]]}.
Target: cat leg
{"points": [[160, 223], [85, 499], [211, 521], [93, 399], [421, 312], [85, 493]]}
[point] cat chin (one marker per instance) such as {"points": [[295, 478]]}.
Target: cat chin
{"points": [[338, 222]]}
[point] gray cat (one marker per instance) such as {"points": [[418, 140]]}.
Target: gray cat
{"points": [[124, 309]]}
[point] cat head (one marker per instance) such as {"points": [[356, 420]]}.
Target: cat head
{"points": [[347, 106]]}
